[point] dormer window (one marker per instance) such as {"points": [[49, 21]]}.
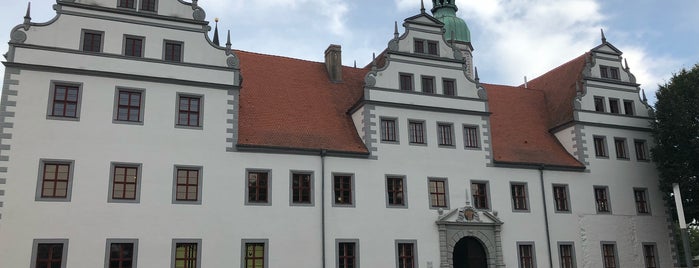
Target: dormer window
{"points": [[426, 47], [609, 72]]}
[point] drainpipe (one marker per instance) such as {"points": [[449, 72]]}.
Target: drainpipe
{"points": [[546, 214], [323, 153]]}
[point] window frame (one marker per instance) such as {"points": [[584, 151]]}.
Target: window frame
{"points": [[430, 193], [353, 201], [626, 108], [414, 256], [90, 31], [467, 135], [425, 44], [646, 201], [35, 250], [403, 190], [428, 80], [311, 193], [167, 42], [654, 248], [453, 83], [173, 256], [200, 184], [249, 202], [601, 151], [141, 105], [614, 73], [567, 198], [487, 194], [40, 180], [51, 101], [124, 48], [643, 156], [599, 100], [401, 85], [622, 154], [532, 249], [382, 130], [440, 135], [525, 188], [572, 253], [597, 199], [615, 251], [614, 106], [243, 250], [200, 112], [604, 71], [134, 3], [412, 136], [155, 6], [139, 178], [339, 242], [110, 241]]}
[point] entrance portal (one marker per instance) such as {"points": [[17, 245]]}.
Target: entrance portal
{"points": [[469, 253]]}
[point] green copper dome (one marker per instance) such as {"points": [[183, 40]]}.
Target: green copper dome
{"points": [[445, 11]]}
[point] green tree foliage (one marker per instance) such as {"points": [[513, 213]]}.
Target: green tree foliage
{"points": [[676, 133]]}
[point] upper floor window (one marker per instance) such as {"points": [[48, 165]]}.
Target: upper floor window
{"points": [[479, 192], [49, 253], [186, 253], [641, 150], [187, 185], [92, 41], [609, 259], [641, 198], [255, 255], [602, 199], [416, 132], [649, 256], [471, 137], [566, 254], [526, 255], [127, 4], [428, 84], [388, 130], [343, 192], [621, 151], [406, 255], [445, 134], [426, 47], [519, 197], [125, 182], [347, 255], [600, 146], [149, 5], [122, 253], [599, 104], [55, 180], [609, 72], [258, 184], [560, 197], [406, 82], [449, 87], [628, 107], [172, 51], [189, 110], [133, 46], [395, 191], [301, 188], [129, 105], [64, 100], [439, 193], [614, 106]]}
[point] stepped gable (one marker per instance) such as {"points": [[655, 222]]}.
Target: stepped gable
{"points": [[559, 85], [291, 103], [520, 132]]}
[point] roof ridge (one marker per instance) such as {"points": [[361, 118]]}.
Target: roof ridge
{"points": [[290, 58]]}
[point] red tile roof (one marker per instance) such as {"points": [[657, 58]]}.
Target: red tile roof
{"points": [[291, 103], [519, 128]]}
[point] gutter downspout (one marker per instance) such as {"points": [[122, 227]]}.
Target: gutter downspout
{"points": [[546, 214], [323, 153]]}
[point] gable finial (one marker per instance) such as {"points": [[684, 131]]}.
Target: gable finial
{"points": [[643, 92], [355, 63], [626, 65], [28, 17], [422, 6], [395, 29], [475, 70], [604, 39], [216, 33], [373, 61], [228, 43]]}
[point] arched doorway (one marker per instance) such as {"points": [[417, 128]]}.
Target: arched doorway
{"points": [[469, 253]]}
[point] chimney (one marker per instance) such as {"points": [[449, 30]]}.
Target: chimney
{"points": [[333, 62]]}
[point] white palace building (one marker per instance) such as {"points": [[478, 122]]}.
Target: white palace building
{"points": [[129, 138]]}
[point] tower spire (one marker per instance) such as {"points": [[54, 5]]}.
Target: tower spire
{"points": [[28, 17], [216, 33]]}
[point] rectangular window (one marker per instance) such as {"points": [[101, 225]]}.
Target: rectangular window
{"points": [[439, 197], [426, 47], [187, 184], [148, 5], [406, 255], [614, 72], [55, 180], [395, 191], [600, 146], [614, 106], [604, 71], [186, 254], [173, 51], [449, 87], [301, 188], [406, 82], [445, 134], [471, 139], [189, 111], [342, 185], [609, 255], [649, 255], [602, 199], [599, 104], [258, 184], [479, 192], [65, 100], [416, 132], [620, 146], [121, 253], [419, 46], [628, 107], [388, 130], [641, 198], [432, 48], [133, 46], [566, 255], [92, 41], [125, 182], [49, 253], [254, 255], [641, 151], [127, 4], [526, 255], [519, 197], [428, 84], [129, 106], [347, 255], [560, 196]]}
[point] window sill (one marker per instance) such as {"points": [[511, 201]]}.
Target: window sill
{"points": [[124, 122], [62, 118], [189, 127]]}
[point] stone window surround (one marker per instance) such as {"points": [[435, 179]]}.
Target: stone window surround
{"points": [[167, 41], [82, 39], [139, 178], [609, 201], [243, 249], [141, 116], [143, 44], [200, 184], [487, 192], [424, 132], [567, 191], [405, 190], [526, 197], [416, 262], [396, 129], [173, 251], [446, 193], [455, 87], [353, 189], [201, 110], [269, 186], [478, 136], [40, 179], [35, 250], [453, 134], [52, 92], [572, 252], [110, 241], [356, 251], [625, 153], [616, 251], [291, 188], [533, 250], [605, 153]]}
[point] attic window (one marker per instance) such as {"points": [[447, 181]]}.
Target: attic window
{"points": [[609, 72], [426, 47]]}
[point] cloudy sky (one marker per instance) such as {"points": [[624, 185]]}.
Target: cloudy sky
{"points": [[512, 38]]}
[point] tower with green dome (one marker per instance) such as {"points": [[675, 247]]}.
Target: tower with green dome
{"points": [[455, 29]]}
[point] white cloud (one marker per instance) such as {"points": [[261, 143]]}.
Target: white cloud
{"points": [[650, 70]]}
